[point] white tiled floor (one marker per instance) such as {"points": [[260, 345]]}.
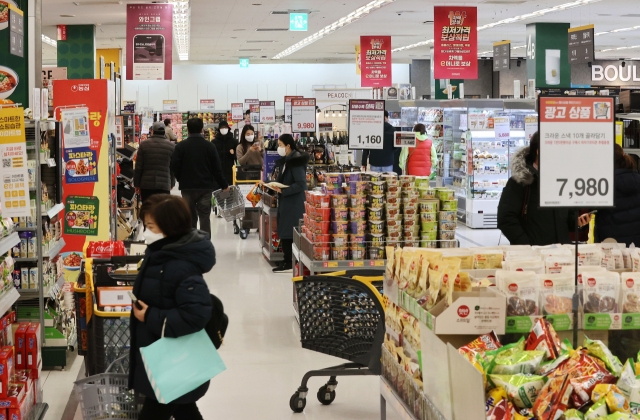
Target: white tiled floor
{"points": [[265, 361]]}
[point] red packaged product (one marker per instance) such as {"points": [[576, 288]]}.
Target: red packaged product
{"points": [[502, 411], [553, 399], [480, 345], [7, 369], [20, 411], [105, 249], [15, 397], [544, 337], [20, 344], [32, 351], [3, 414]]}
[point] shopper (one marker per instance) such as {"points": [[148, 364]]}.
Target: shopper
{"points": [[249, 151], [622, 222], [381, 160], [419, 160], [153, 164], [172, 295], [226, 146], [292, 168], [520, 217], [198, 170], [168, 131]]}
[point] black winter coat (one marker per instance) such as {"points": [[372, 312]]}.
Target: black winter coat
{"points": [[622, 223], [293, 172], [153, 164], [226, 146], [526, 223], [170, 281], [384, 156], [196, 165]]}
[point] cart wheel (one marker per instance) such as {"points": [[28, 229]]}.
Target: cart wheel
{"points": [[325, 396], [297, 404], [236, 229], [244, 234]]}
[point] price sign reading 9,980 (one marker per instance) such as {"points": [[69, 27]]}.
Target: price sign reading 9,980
{"points": [[366, 124], [303, 115], [577, 135]]}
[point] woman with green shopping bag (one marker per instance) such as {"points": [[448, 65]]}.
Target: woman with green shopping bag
{"points": [[173, 298]]}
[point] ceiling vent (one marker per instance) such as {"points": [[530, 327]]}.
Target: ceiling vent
{"points": [[256, 42], [272, 29], [633, 15], [250, 49], [286, 12]]}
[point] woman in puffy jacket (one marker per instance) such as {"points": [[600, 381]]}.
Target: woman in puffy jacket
{"points": [[419, 160], [622, 222]]}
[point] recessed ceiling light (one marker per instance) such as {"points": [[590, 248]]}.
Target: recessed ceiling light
{"points": [[67, 15], [238, 30]]}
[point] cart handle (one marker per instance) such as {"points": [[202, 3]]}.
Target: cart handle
{"points": [[118, 360], [103, 314]]}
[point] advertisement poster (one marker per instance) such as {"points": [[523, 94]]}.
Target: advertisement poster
{"points": [[576, 126], [455, 42], [149, 41], [267, 112], [237, 112], [287, 107], [13, 152], [81, 165], [375, 61], [170, 105], [14, 64], [366, 124], [75, 125], [81, 215]]}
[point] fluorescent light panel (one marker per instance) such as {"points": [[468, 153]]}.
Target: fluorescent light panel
{"points": [[343, 21], [49, 41], [181, 27]]}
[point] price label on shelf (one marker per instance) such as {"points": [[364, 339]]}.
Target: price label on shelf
{"points": [[577, 135], [502, 128], [303, 115], [170, 105], [530, 126], [237, 112], [267, 112], [366, 124], [405, 139], [207, 104]]}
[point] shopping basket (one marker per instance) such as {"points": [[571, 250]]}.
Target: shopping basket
{"points": [[106, 396], [230, 206], [341, 317]]}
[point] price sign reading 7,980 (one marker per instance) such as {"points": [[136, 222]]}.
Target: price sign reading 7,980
{"points": [[577, 135], [366, 124], [303, 115]]}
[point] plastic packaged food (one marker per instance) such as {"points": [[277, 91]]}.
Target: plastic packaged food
{"points": [[630, 292], [597, 348], [612, 396], [515, 361], [522, 290], [600, 292], [553, 399], [487, 259], [629, 384], [544, 337], [535, 265], [494, 397], [556, 293], [522, 389], [573, 414], [597, 410]]}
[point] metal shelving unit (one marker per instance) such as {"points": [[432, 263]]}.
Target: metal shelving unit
{"points": [[268, 219]]}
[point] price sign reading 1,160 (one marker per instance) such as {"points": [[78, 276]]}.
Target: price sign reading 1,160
{"points": [[307, 125], [590, 187], [369, 140]]}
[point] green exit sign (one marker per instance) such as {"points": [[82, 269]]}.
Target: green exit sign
{"points": [[298, 21], [244, 63]]}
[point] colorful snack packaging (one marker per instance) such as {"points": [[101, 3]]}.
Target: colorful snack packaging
{"points": [[435, 281], [487, 259], [584, 381], [449, 279], [522, 389], [630, 292], [620, 416], [629, 384], [598, 349], [544, 337], [600, 292], [411, 273], [553, 399], [573, 414], [495, 396], [556, 293], [502, 411], [597, 410], [518, 361], [474, 351], [397, 258], [389, 271], [522, 291], [613, 397], [462, 282]]}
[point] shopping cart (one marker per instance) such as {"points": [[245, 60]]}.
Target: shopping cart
{"points": [[341, 317], [246, 177], [106, 395], [230, 206]]}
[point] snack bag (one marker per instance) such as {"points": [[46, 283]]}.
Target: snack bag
{"points": [[389, 270], [585, 380], [635, 259], [589, 254], [556, 264], [597, 349], [398, 261], [474, 351], [553, 399], [573, 414], [522, 389], [620, 416], [462, 282], [435, 284], [611, 394], [629, 384], [536, 265], [600, 292], [597, 410], [487, 259], [423, 283], [510, 361], [556, 294], [449, 279], [502, 411], [495, 396], [411, 274], [630, 292], [465, 256], [521, 289], [584, 269], [544, 337]]}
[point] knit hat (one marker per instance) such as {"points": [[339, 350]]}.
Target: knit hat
{"points": [[223, 124], [158, 127]]}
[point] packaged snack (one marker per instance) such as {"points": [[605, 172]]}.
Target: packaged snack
{"points": [[487, 259], [389, 270], [435, 285], [398, 263], [620, 416], [495, 396], [600, 292], [462, 282], [597, 410], [553, 399], [522, 389], [516, 361], [589, 254], [597, 349], [412, 274], [585, 380], [630, 292], [615, 400], [448, 283], [556, 293], [536, 265], [544, 337], [522, 291], [556, 264], [502, 411], [573, 414], [629, 384]]}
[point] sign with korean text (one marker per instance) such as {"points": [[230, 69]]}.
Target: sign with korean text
{"points": [[455, 42], [375, 61], [254, 110], [581, 41], [501, 55], [366, 124], [237, 112], [502, 128], [249, 102], [81, 215], [298, 21], [119, 132], [287, 107], [13, 153], [149, 41], [170, 105], [303, 115], [325, 127], [75, 126], [267, 112], [81, 165], [405, 139], [207, 104], [530, 126], [577, 135]]}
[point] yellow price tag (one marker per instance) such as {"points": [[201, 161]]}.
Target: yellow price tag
{"points": [[358, 263], [378, 263], [332, 264]]}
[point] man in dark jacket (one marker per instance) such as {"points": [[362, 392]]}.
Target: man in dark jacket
{"points": [[197, 167], [226, 146], [153, 161], [382, 160]]}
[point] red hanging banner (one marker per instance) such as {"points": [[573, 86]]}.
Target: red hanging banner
{"points": [[455, 52], [375, 61]]}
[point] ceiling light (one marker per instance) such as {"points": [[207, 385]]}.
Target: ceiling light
{"points": [[49, 41], [67, 15], [343, 21], [181, 27]]}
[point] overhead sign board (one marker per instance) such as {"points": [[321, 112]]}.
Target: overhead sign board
{"points": [[456, 42], [303, 115], [298, 21], [501, 55], [581, 44]]}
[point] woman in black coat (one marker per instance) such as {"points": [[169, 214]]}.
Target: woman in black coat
{"points": [[170, 289], [622, 223], [226, 145], [293, 173]]}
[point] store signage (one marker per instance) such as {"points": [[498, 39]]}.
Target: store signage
{"points": [[375, 61], [16, 31], [15, 177], [501, 55], [207, 104], [150, 35], [547, 58], [366, 124], [287, 107], [325, 127], [53, 73], [615, 73], [502, 128], [255, 113], [298, 21], [62, 32], [75, 126], [15, 64], [249, 102], [267, 112], [530, 126], [81, 215], [170, 105], [581, 44], [456, 42], [576, 126], [237, 112], [303, 115], [244, 63], [119, 132], [129, 106], [405, 139], [81, 165]]}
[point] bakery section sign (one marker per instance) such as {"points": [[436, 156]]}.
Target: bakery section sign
{"points": [[455, 42], [375, 61]]}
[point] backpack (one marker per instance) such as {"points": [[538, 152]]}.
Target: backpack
{"points": [[217, 325]]}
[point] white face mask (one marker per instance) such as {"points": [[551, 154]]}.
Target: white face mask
{"points": [[151, 237], [282, 151], [249, 138], [224, 131]]}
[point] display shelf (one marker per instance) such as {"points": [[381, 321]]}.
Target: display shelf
{"points": [[55, 210], [388, 397], [57, 247], [27, 229], [38, 411], [28, 294], [30, 259], [6, 244], [8, 299]]}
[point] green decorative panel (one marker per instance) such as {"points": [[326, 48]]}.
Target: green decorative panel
{"points": [[15, 69], [548, 54], [77, 53]]}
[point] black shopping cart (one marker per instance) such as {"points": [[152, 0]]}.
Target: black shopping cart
{"points": [[341, 317], [246, 177], [230, 206]]}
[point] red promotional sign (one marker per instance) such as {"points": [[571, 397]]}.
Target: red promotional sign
{"points": [[455, 52], [62, 32], [149, 41], [375, 61]]}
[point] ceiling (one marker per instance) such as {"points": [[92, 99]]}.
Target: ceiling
{"points": [[223, 31]]}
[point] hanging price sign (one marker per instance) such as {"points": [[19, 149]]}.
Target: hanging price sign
{"points": [[576, 152], [366, 124], [237, 112], [530, 126], [287, 107], [303, 115], [267, 112], [502, 128], [405, 139]]}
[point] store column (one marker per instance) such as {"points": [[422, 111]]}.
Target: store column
{"points": [[14, 54], [548, 55], [77, 51]]}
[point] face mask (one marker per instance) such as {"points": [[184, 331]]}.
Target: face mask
{"points": [[249, 138], [282, 151], [224, 131], [151, 237]]}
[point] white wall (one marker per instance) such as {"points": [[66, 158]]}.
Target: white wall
{"points": [[229, 83]]}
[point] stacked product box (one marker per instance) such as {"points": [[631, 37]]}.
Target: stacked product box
{"points": [[410, 210], [428, 208], [393, 210], [447, 217], [316, 224], [376, 220]]}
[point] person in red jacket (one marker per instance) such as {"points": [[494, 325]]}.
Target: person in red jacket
{"points": [[419, 160]]}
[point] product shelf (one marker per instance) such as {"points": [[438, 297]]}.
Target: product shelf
{"points": [[38, 411], [389, 398], [8, 299], [55, 210], [53, 252], [9, 242]]}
